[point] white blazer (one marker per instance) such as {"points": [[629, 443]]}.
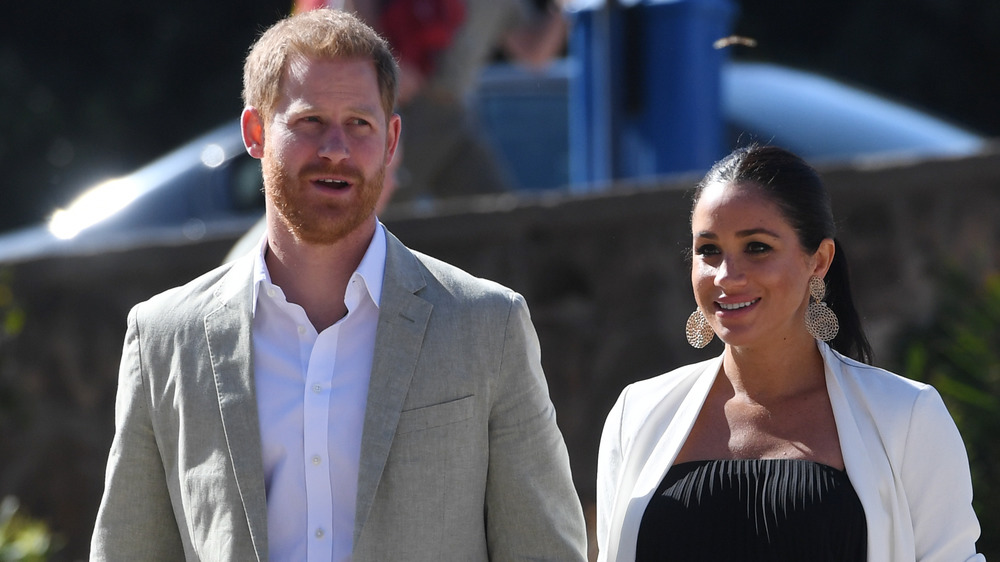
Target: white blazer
{"points": [[901, 449]]}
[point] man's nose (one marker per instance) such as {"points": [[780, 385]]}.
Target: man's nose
{"points": [[333, 145]]}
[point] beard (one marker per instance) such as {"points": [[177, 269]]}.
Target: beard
{"points": [[320, 223]]}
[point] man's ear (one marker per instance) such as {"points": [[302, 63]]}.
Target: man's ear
{"points": [[393, 129], [252, 126]]}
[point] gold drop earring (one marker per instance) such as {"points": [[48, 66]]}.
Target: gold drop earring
{"points": [[821, 322], [699, 333]]}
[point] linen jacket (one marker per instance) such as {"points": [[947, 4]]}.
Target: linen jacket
{"points": [[461, 457], [901, 448]]}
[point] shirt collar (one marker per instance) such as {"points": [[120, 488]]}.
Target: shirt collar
{"points": [[372, 266], [371, 269]]}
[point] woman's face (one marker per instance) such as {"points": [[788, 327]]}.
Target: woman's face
{"points": [[749, 272]]}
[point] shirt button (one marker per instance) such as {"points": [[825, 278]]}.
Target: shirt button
{"points": [[317, 460], [317, 388], [302, 330], [319, 533], [270, 293]]}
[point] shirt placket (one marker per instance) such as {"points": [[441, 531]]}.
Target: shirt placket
{"points": [[316, 420]]}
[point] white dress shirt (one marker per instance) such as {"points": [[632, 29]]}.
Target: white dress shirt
{"points": [[311, 394]]}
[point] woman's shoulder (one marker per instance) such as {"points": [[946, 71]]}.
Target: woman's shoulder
{"points": [[870, 377], [642, 396], [672, 378], [888, 398]]}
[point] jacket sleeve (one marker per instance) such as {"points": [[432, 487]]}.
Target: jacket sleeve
{"points": [[935, 474], [609, 463], [135, 520], [532, 508]]}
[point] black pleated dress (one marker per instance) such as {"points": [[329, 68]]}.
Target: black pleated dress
{"points": [[759, 509]]}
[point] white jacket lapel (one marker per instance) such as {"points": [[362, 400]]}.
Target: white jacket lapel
{"points": [[854, 429], [662, 434]]}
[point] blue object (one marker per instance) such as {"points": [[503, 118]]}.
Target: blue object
{"points": [[644, 95]]}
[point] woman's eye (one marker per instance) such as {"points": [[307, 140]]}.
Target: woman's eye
{"points": [[757, 248], [707, 250]]}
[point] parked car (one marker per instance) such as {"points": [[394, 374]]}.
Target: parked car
{"points": [[210, 187], [824, 120]]}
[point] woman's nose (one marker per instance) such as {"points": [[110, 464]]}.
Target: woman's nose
{"points": [[730, 273]]}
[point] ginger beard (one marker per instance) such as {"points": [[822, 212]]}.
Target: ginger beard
{"points": [[326, 222]]}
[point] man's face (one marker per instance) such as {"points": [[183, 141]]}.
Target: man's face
{"points": [[326, 148]]}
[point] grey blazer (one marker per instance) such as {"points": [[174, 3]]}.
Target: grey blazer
{"points": [[461, 456]]}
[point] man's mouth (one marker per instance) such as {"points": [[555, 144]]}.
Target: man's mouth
{"points": [[335, 178], [334, 184]]}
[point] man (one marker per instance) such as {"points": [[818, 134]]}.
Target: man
{"points": [[333, 395]]}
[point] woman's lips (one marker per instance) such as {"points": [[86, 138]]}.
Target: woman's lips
{"points": [[736, 305]]}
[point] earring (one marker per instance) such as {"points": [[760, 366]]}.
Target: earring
{"points": [[699, 333], [821, 322]]}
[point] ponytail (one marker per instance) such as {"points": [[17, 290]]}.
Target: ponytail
{"points": [[851, 339]]}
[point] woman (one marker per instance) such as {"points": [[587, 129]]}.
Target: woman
{"points": [[786, 447]]}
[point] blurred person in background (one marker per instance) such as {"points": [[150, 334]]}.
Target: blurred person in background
{"points": [[442, 47], [332, 395], [785, 447]]}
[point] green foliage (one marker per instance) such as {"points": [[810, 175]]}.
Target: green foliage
{"points": [[12, 318], [959, 353], [11, 314], [22, 538]]}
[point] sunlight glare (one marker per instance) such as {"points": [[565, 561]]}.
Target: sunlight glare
{"points": [[92, 207]]}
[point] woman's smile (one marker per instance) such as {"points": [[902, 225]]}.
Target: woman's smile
{"points": [[730, 306]]}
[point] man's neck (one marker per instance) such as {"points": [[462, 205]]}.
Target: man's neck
{"points": [[315, 276]]}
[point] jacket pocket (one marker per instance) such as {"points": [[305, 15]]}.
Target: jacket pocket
{"points": [[436, 416]]}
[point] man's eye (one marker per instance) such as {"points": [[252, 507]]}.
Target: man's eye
{"points": [[358, 122]]}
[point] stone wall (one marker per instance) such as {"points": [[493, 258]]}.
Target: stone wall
{"points": [[604, 275]]}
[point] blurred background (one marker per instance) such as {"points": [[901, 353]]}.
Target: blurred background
{"points": [[93, 89], [598, 146]]}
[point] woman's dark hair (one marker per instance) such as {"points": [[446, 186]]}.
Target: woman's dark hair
{"points": [[803, 200]]}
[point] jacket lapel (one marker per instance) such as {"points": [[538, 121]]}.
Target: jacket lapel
{"points": [[228, 331], [653, 450], [855, 431], [402, 320]]}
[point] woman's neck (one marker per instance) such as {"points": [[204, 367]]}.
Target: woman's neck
{"points": [[777, 371]]}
